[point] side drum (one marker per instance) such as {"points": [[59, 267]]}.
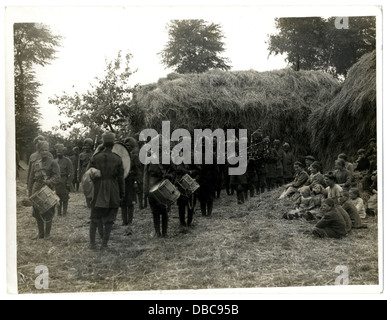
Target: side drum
{"points": [[187, 185], [44, 199], [165, 193]]}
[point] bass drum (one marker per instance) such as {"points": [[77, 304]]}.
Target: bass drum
{"points": [[119, 149], [123, 152]]}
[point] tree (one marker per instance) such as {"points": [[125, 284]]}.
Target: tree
{"points": [[34, 44], [107, 105], [194, 47], [300, 39], [316, 43], [349, 45]]}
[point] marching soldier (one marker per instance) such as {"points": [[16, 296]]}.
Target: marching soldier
{"points": [[84, 160], [63, 186], [108, 190], [44, 172], [185, 203], [75, 161], [131, 185]]}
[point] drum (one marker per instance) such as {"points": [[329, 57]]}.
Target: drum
{"points": [[165, 193], [123, 152], [44, 199], [187, 185]]}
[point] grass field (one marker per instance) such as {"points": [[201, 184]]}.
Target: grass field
{"points": [[239, 246]]}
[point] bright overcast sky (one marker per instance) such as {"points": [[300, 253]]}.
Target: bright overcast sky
{"points": [[93, 34]]}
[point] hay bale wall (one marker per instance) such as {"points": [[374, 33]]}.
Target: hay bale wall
{"points": [[279, 102], [346, 123]]}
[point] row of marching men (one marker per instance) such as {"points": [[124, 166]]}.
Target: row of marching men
{"points": [[161, 185], [66, 173], [143, 184], [111, 191]]}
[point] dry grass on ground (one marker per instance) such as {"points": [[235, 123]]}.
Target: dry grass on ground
{"points": [[240, 246]]}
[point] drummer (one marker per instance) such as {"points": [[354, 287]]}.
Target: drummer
{"points": [[208, 177], [153, 175], [35, 156], [44, 172], [186, 204]]}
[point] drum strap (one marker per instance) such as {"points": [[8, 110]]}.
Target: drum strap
{"points": [[42, 170]]}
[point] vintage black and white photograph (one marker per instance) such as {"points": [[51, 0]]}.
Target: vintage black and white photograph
{"points": [[193, 149]]}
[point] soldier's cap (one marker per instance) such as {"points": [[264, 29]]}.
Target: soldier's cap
{"points": [[108, 137], [310, 158]]}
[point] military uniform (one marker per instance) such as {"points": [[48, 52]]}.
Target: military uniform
{"points": [[84, 161], [108, 190], [186, 204], [62, 188], [131, 184], [153, 175], [44, 172], [75, 161], [208, 177], [332, 225]]}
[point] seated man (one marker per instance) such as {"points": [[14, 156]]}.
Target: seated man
{"points": [[315, 177], [353, 213], [343, 176], [300, 178], [348, 165], [362, 163], [332, 224]]}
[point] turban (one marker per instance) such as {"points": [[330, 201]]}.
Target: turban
{"points": [[108, 137], [131, 142], [42, 144], [38, 139], [60, 148], [88, 142]]}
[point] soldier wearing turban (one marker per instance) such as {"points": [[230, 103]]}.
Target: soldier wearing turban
{"points": [[109, 190], [45, 172], [34, 157], [66, 177], [84, 160]]}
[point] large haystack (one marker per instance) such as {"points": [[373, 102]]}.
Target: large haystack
{"points": [[346, 123], [278, 101]]}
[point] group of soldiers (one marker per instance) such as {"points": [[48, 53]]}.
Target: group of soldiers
{"points": [[270, 165], [62, 170]]}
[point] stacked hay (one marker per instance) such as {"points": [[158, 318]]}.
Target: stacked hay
{"points": [[279, 102], [346, 123]]}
